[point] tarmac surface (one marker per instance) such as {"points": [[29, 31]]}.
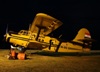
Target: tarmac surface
{"points": [[46, 62]]}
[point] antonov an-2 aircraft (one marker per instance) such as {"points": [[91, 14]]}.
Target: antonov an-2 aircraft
{"points": [[37, 37]]}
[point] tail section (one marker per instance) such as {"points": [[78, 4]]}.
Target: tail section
{"points": [[79, 44], [82, 34]]}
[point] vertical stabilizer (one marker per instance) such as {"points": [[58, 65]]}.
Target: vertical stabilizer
{"points": [[82, 41], [82, 34]]}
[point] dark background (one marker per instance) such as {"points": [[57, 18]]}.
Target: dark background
{"points": [[74, 15]]}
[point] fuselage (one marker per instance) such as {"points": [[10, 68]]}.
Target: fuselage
{"points": [[28, 40]]}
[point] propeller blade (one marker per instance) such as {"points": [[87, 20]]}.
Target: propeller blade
{"points": [[7, 29], [5, 33]]}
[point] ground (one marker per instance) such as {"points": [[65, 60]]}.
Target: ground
{"points": [[48, 63]]}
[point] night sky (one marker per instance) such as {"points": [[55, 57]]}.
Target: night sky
{"points": [[74, 15]]}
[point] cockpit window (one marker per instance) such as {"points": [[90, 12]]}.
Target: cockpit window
{"points": [[23, 32]]}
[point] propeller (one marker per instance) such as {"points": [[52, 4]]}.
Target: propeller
{"points": [[5, 33], [5, 41]]}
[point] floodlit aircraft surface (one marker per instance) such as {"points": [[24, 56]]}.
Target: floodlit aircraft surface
{"points": [[37, 37], [81, 43]]}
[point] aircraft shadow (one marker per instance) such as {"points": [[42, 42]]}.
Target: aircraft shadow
{"points": [[46, 53]]}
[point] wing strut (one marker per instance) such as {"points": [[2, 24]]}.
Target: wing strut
{"points": [[58, 46], [59, 43]]}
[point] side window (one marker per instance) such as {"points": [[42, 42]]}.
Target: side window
{"points": [[39, 40], [26, 32], [34, 36], [23, 32], [51, 42], [65, 47], [20, 32], [42, 40], [61, 46]]}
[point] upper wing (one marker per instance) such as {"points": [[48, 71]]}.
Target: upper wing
{"points": [[46, 23]]}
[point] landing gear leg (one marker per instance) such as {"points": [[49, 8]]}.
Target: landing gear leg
{"points": [[17, 55], [21, 54]]}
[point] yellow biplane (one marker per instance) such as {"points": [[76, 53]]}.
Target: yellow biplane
{"points": [[37, 37]]}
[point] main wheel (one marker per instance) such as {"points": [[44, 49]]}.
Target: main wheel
{"points": [[21, 56]]}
